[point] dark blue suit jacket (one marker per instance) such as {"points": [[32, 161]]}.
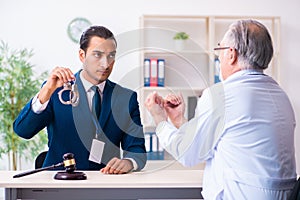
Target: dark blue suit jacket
{"points": [[71, 129]]}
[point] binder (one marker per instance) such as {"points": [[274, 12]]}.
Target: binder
{"points": [[217, 70], [161, 72], [154, 143], [191, 105], [148, 142], [153, 72], [146, 72]]}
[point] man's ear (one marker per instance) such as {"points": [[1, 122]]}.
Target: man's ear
{"points": [[81, 55], [232, 54]]}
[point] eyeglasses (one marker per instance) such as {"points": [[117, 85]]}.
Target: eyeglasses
{"points": [[220, 48]]}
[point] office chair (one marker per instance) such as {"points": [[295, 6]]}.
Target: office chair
{"points": [[296, 191], [40, 159]]}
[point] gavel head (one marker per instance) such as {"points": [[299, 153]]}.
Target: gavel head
{"points": [[69, 162]]}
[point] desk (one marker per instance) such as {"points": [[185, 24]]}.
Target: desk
{"points": [[148, 184]]}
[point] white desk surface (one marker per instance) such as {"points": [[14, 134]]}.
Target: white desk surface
{"points": [[155, 174]]}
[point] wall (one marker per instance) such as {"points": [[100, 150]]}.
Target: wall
{"points": [[41, 25]]}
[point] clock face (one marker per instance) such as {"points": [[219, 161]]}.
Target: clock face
{"points": [[76, 27]]}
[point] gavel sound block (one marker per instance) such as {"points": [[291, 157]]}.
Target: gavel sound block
{"points": [[70, 166]]}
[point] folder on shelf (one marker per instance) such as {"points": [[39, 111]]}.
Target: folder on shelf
{"points": [[148, 142], [161, 72], [146, 72], [153, 72], [217, 70], [191, 106], [153, 148]]}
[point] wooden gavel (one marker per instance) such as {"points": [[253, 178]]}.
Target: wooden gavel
{"points": [[69, 164]]}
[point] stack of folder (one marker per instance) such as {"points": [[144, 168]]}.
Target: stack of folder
{"points": [[154, 72]]}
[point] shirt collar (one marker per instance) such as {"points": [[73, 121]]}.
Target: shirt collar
{"points": [[245, 72], [87, 85]]}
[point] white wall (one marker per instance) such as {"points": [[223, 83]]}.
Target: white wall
{"points": [[41, 25]]}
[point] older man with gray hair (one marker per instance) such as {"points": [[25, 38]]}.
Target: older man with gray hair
{"points": [[243, 127]]}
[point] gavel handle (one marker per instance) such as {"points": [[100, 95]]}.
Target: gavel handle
{"points": [[38, 170]]}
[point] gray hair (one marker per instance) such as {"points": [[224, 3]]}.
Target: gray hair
{"points": [[253, 43]]}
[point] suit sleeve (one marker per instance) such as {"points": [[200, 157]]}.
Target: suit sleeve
{"points": [[28, 123], [133, 142]]}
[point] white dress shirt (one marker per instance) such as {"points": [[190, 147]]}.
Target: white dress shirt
{"points": [[244, 130]]}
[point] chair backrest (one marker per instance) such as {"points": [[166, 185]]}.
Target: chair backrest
{"points": [[296, 191], [40, 160]]}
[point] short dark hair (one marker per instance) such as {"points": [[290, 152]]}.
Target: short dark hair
{"points": [[99, 31]]}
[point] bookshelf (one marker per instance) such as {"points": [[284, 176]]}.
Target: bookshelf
{"points": [[191, 68]]}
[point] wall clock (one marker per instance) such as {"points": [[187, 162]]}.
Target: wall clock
{"points": [[76, 27]]}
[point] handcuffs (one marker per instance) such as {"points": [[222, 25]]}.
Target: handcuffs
{"points": [[73, 95]]}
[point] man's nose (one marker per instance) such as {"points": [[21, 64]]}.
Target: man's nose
{"points": [[104, 62]]}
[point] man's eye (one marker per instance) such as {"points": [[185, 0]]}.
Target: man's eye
{"points": [[97, 55], [112, 55]]}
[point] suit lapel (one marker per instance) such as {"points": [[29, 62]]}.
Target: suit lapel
{"points": [[82, 116]]}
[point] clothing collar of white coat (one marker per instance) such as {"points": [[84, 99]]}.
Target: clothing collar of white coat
{"points": [[244, 72]]}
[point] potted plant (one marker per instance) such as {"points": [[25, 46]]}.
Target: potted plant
{"points": [[17, 85], [180, 38]]}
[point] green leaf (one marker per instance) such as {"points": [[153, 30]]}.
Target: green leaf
{"points": [[18, 84]]}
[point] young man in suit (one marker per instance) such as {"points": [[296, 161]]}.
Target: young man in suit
{"points": [[77, 129]]}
